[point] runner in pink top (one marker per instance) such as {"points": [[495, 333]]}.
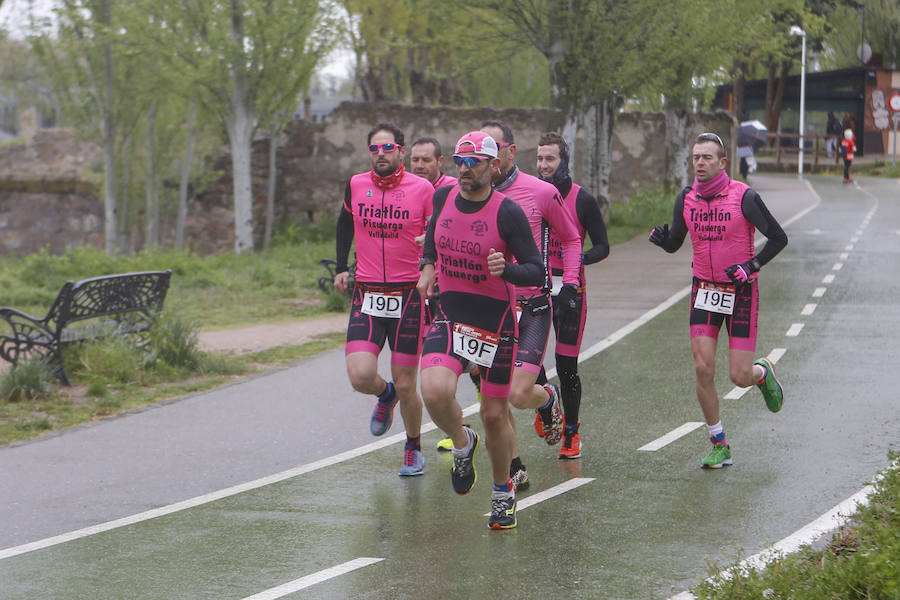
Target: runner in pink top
{"points": [[474, 236], [426, 159], [385, 210], [722, 216], [543, 206], [553, 167]]}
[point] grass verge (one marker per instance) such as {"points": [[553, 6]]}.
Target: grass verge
{"points": [[860, 562]]}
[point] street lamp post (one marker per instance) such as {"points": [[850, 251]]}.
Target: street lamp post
{"points": [[797, 31]]}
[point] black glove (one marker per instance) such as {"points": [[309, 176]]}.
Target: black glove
{"points": [[659, 235], [566, 306], [740, 273]]}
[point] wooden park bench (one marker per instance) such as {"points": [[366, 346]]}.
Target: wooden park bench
{"points": [[124, 304]]}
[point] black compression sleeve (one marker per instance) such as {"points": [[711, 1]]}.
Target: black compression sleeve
{"points": [[344, 233], [678, 230], [515, 230], [429, 252], [757, 213], [588, 211]]}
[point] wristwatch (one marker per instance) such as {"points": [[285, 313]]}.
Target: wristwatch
{"points": [[424, 261]]}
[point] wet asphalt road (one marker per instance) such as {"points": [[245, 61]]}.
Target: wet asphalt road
{"points": [[642, 525]]}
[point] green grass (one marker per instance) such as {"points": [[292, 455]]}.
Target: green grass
{"points": [[860, 562], [214, 292], [644, 210]]}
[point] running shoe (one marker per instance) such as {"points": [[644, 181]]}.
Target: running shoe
{"points": [[718, 457], [520, 480], [770, 388], [383, 415], [462, 473], [571, 446], [503, 511], [445, 445], [538, 424], [413, 463], [552, 418]]}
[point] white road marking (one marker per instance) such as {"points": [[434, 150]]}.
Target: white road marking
{"points": [[854, 239], [556, 490], [794, 330], [808, 309], [837, 266], [828, 278], [844, 255], [671, 437], [818, 292], [314, 578], [737, 393], [848, 247]]}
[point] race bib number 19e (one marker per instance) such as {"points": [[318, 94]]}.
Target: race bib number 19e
{"points": [[716, 298], [474, 344], [383, 304]]}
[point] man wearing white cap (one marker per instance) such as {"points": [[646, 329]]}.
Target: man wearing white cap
{"points": [[474, 235]]}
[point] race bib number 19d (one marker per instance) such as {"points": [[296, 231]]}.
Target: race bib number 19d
{"points": [[474, 344], [716, 298], [383, 304]]}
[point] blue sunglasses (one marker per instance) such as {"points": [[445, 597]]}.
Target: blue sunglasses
{"points": [[469, 161]]}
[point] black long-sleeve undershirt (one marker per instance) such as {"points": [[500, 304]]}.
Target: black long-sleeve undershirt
{"points": [[344, 233], [588, 210], [753, 209]]}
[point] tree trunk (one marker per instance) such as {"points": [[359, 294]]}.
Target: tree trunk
{"points": [[677, 147], [151, 214], [185, 177], [109, 147], [270, 196], [240, 135], [125, 184], [597, 122]]}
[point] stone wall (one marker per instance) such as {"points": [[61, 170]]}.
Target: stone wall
{"points": [[43, 202]]}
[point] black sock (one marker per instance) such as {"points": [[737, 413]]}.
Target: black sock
{"points": [[515, 465], [414, 442]]}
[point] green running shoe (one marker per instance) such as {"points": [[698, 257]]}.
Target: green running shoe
{"points": [[718, 457], [445, 445], [770, 388]]}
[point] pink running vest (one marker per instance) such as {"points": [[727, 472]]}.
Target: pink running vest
{"points": [[385, 225], [720, 234], [540, 203], [463, 242], [556, 248]]}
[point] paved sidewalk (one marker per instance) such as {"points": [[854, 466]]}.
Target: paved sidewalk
{"points": [[262, 337]]}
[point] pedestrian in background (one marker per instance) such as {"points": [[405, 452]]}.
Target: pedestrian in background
{"points": [[848, 151]]}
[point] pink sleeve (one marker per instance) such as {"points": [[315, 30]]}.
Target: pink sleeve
{"points": [[566, 230]]}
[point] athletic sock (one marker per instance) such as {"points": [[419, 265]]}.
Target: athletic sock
{"points": [[506, 489], [467, 449], [765, 374], [387, 395], [515, 465], [414, 443], [716, 433]]}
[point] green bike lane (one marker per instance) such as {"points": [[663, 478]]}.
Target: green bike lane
{"points": [[647, 523]]}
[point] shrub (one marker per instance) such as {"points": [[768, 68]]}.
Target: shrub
{"points": [[28, 380], [174, 342]]}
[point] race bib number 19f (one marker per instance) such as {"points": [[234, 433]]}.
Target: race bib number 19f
{"points": [[474, 344]]}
